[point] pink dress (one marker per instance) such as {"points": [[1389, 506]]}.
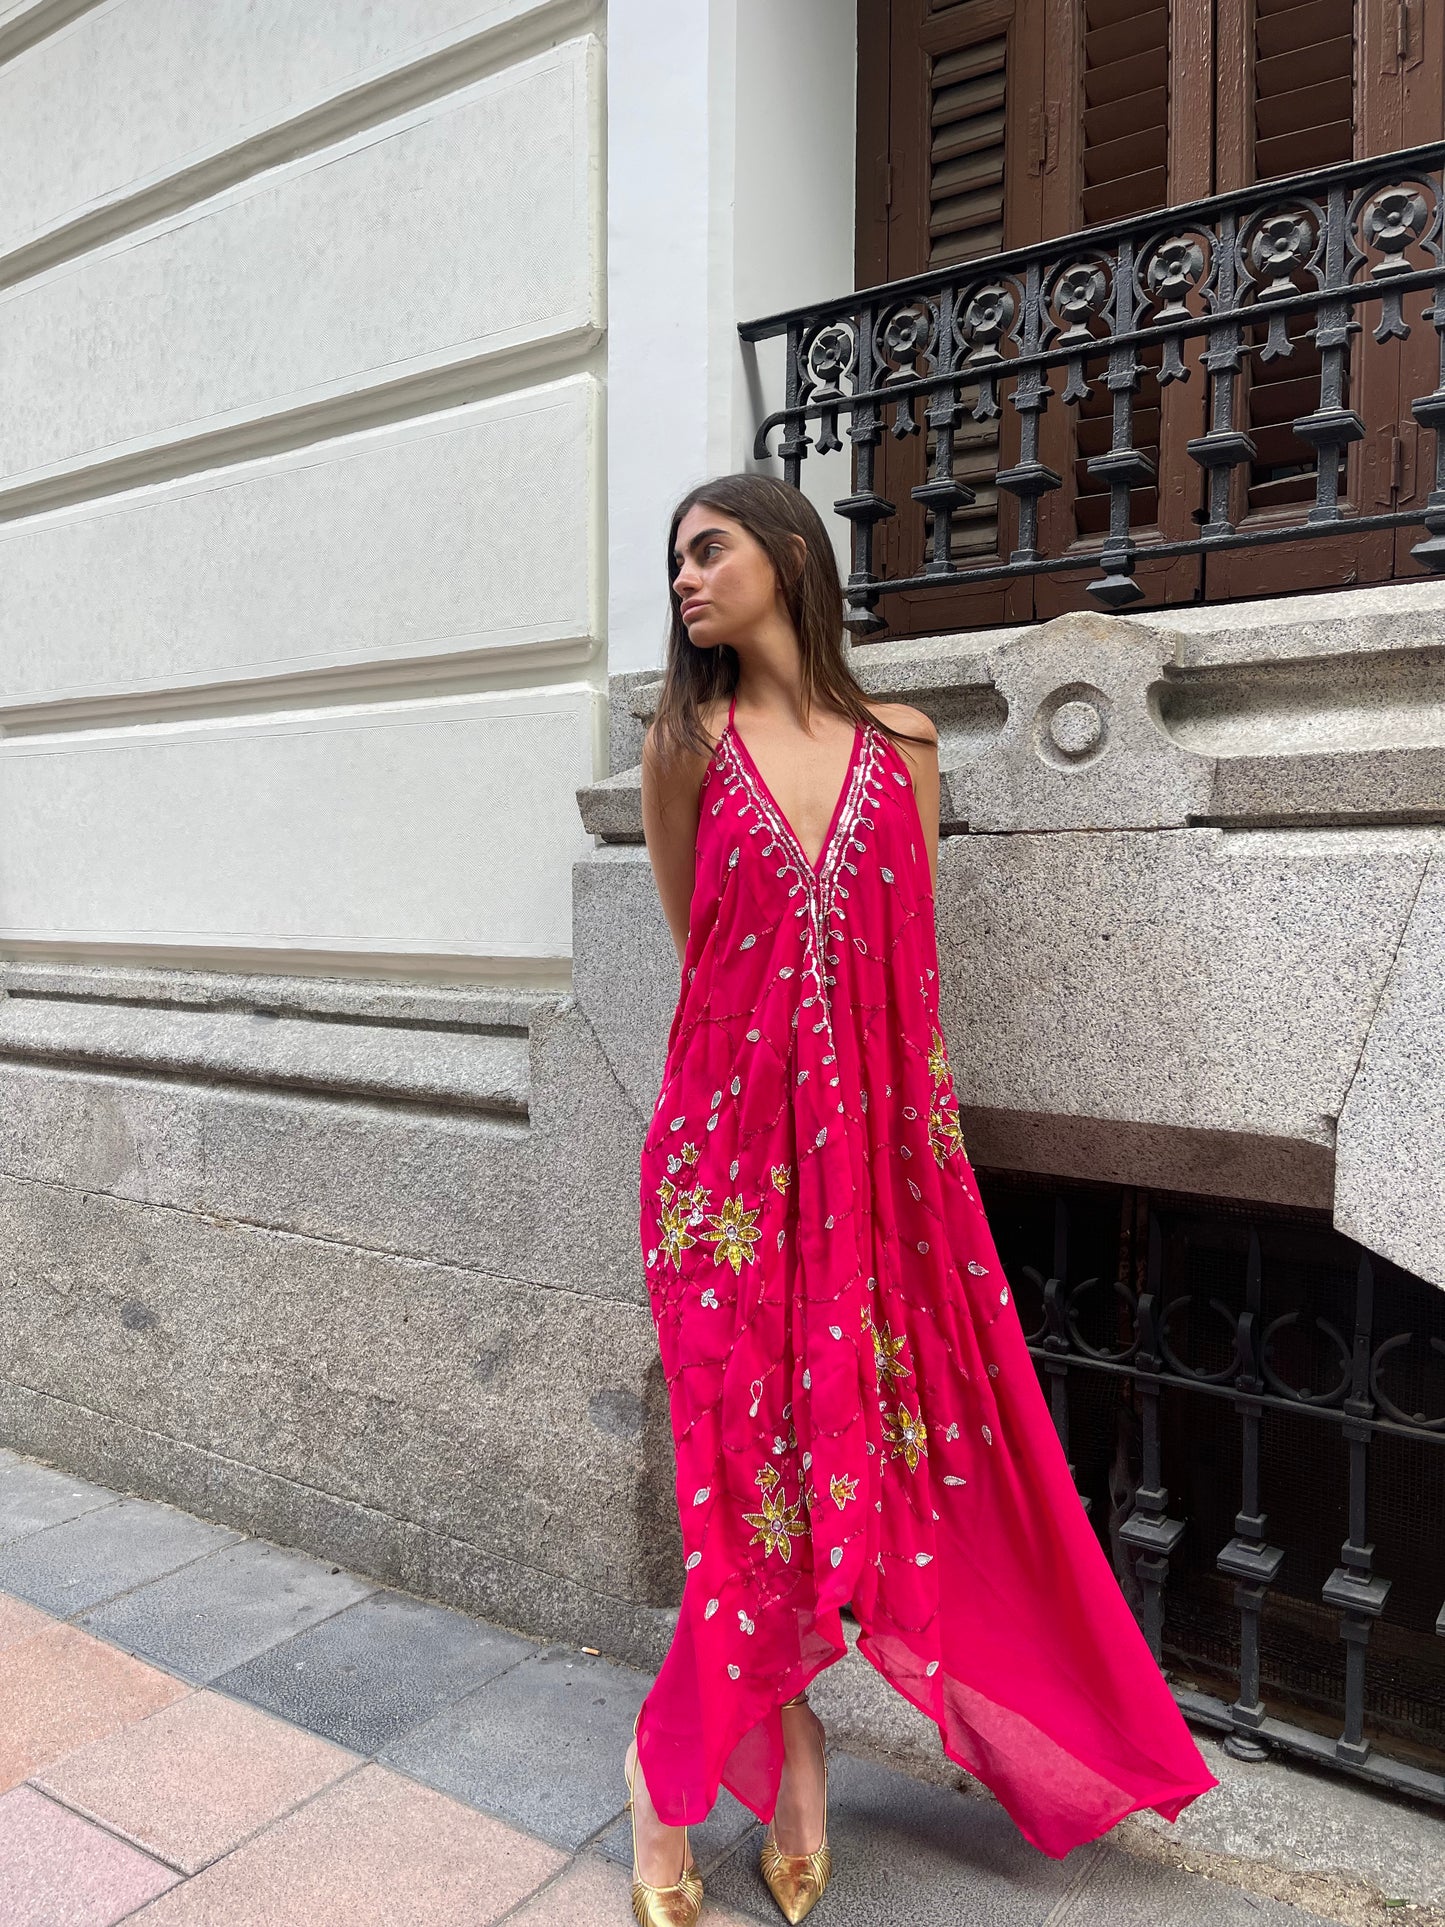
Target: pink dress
{"points": [[856, 1415]]}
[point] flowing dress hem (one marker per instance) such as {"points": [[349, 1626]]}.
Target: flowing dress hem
{"points": [[1166, 1798]]}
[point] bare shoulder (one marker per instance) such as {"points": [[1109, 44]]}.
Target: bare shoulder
{"points": [[903, 716]]}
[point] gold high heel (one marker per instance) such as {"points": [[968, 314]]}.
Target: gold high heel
{"points": [[796, 1880], [676, 1906]]}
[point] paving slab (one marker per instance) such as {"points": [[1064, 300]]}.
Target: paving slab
{"points": [[543, 1745], [594, 1892], [19, 1621], [1289, 1816], [57, 1870], [195, 1779], [104, 1552], [33, 1497], [223, 1610], [905, 1852], [373, 1672], [62, 1689], [375, 1850], [1128, 1893], [719, 1834]]}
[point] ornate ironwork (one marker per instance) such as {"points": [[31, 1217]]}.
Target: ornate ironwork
{"points": [[1335, 246], [1204, 1316]]}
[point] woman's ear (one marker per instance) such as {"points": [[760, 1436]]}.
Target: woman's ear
{"points": [[800, 548]]}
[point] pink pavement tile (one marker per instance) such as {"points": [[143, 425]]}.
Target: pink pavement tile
{"points": [[195, 1779], [597, 1893], [18, 1621], [375, 1850], [62, 1689], [59, 1870]]}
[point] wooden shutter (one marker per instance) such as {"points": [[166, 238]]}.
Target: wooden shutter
{"points": [[988, 123], [1312, 82], [951, 141]]}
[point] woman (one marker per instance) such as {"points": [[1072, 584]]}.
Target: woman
{"points": [[856, 1415]]}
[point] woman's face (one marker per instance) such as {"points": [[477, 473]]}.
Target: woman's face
{"points": [[725, 583]]}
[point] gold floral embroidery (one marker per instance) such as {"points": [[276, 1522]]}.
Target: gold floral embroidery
{"points": [[944, 1133], [843, 1488], [690, 1154], [906, 1435], [780, 1520], [886, 1349], [734, 1232], [782, 1176]]}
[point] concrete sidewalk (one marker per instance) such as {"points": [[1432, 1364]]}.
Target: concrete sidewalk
{"points": [[198, 1729]]}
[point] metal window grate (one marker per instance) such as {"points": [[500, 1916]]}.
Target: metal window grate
{"points": [[1254, 1412]]}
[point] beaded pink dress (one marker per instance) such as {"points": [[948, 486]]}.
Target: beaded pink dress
{"points": [[856, 1415]]}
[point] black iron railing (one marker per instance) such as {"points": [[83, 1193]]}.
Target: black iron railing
{"points": [[1340, 247], [1254, 1409]]}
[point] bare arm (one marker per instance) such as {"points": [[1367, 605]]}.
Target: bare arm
{"points": [[669, 823]]}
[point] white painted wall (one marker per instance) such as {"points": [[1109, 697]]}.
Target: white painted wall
{"points": [[315, 548], [301, 512], [731, 171]]}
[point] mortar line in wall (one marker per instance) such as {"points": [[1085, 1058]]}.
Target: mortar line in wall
{"points": [[509, 1126], [332, 1498], [325, 123], [1386, 980], [492, 374], [320, 1238]]}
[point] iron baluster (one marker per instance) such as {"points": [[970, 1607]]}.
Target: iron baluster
{"points": [[794, 446], [1029, 478], [1358, 1592], [1224, 446], [1333, 426], [1429, 411], [1056, 1342], [943, 493], [1122, 466], [1247, 1559], [864, 507], [1149, 1530]]}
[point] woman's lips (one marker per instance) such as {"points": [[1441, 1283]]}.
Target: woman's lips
{"points": [[690, 609]]}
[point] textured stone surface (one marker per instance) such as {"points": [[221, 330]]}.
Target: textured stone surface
{"points": [[56, 1870], [373, 1851], [371, 1673], [1082, 747], [543, 1745], [33, 1497], [1188, 985], [108, 1551], [63, 1689], [1392, 1132], [1380, 785], [472, 1070], [904, 1852], [195, 1779], [224, 1609], [1270, 1814]]}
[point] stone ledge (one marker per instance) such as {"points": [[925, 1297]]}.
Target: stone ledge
{"points": [[463, 1048]]}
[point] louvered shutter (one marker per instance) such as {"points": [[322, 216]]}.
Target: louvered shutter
{"points": [[964, 148], [1106, 112], [1133, 150], [1326, 81]]}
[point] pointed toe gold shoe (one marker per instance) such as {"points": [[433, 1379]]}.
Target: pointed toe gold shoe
{"points": [[796, 1880], [676, 1906]]}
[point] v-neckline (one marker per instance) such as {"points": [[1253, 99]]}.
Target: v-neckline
{"points": [[813, 867]]}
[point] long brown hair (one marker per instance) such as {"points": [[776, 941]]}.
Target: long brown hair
{"points": [[772, 512]]}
